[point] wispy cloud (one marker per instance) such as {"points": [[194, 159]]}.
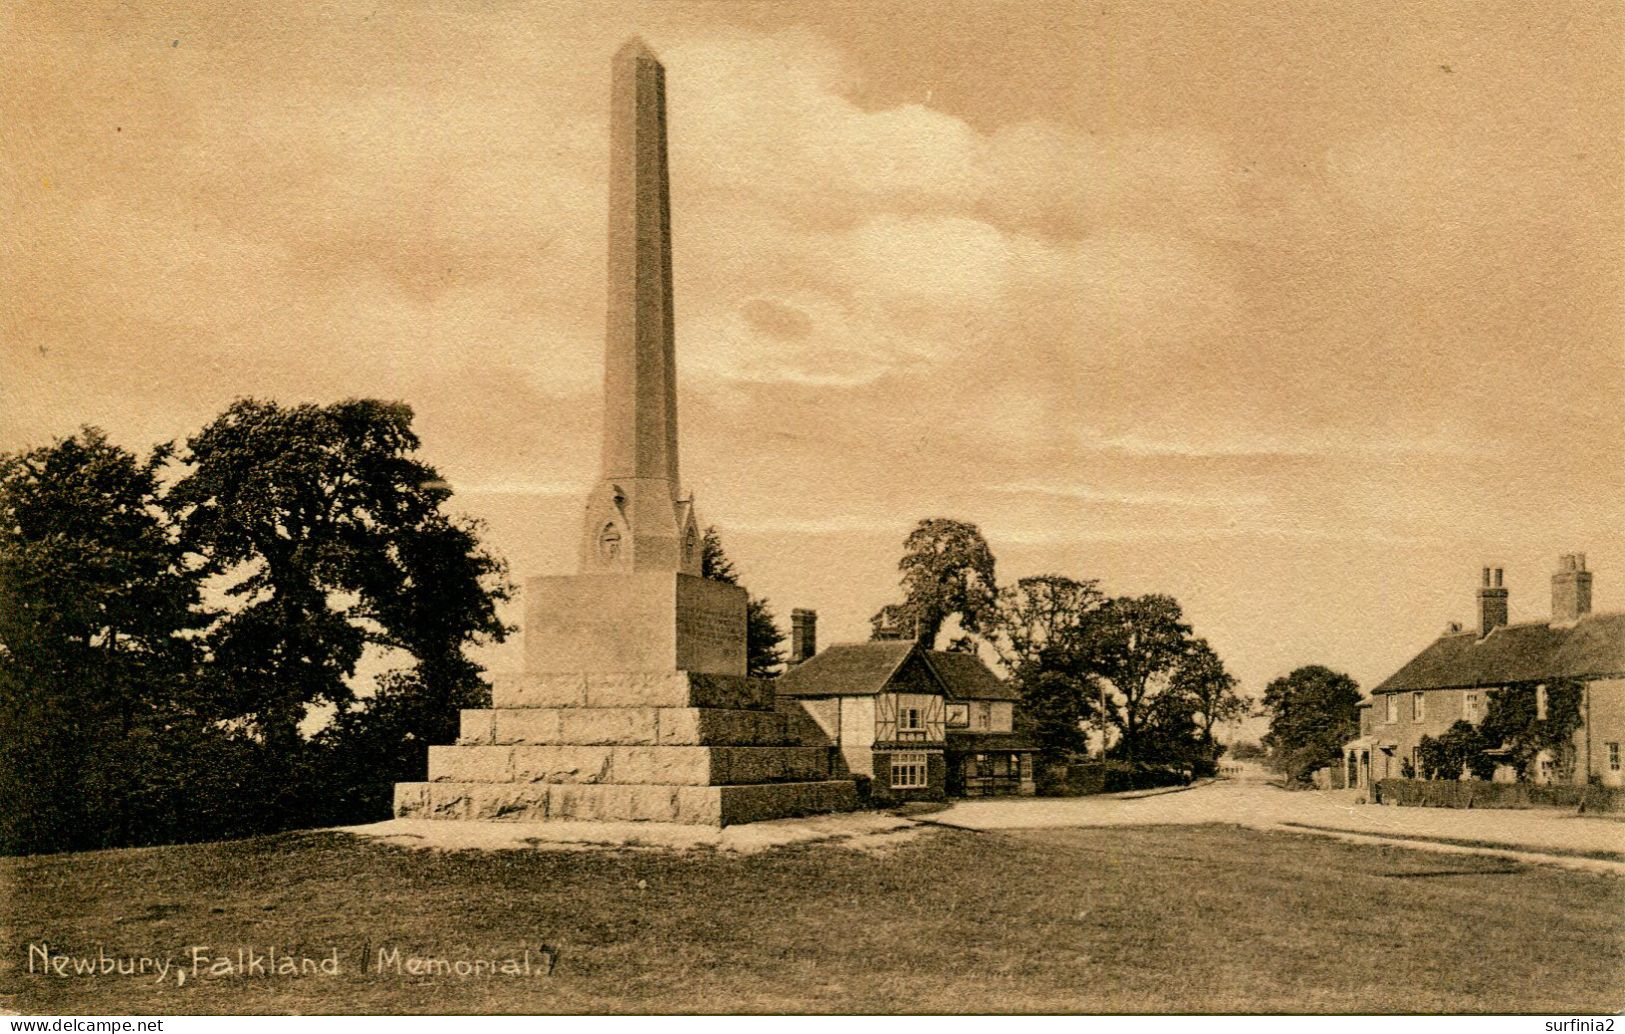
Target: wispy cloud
{"points": [[1332, 442], [521, 488], [1131, 497]]}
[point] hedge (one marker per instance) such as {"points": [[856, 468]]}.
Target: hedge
{"points": [[1473, 793]]}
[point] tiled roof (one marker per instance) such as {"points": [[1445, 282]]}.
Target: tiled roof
{"points": [[846, 669], [1592, 647], [967, 678]]}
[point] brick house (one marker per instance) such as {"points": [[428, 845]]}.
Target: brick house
{"points": [[1451, 679], [919, 724]]}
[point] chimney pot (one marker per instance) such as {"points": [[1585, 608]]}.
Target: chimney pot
{"points": [[1571, 589], [803, 634], [1492, 602]]}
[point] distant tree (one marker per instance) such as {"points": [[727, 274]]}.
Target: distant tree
{"points": [[1201, 678], [329, 536], [1246, 751], [947, 571], [763, 657], [1137, 643], [1313, 712], [1513, 721], [98, 696]]}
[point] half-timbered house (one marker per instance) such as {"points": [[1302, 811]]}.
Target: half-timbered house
{"points": [[902, 716], [882, 707]]}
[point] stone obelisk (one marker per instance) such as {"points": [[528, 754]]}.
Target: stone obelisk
{"points": [[639, 603], [634, 704], [636, 518]]}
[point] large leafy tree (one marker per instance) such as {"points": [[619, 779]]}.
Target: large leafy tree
{"points": [[328, 534], [763, 656], [96, 661], [1039, 614], [947, 571], [1313, 712], [1038, 629], [1201, 678], [1137, 643]]}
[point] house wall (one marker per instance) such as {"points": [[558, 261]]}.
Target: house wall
{"points": [[857, 737], [881, 789], [1441, 709], [1444, 707], [1606, 704]]}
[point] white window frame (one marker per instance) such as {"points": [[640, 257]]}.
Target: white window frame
{"points": [[1419, 706], [1540, 702], [1613, 757], [1469, 707], [910, 771], [910, 719], [984, 715], [1391, 709]]}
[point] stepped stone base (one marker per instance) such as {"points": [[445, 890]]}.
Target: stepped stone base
{"points": [[631, 746], [622, 802]]}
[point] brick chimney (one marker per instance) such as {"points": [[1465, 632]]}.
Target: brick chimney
{"points": [[1492, 602], [1571, 588], [803, 635]]}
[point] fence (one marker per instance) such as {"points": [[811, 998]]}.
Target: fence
{"points": [[1473, 793]]}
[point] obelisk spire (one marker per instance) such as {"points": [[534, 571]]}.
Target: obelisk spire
{"points": [[635, 519], [640, 382]]}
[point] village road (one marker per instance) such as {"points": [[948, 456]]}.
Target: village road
{"points": [[1264, 806]]}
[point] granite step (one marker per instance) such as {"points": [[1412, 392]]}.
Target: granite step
{"points": [[625, 726], [620, 802], [686, 765]]}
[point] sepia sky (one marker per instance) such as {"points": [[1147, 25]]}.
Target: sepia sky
{"points": [[1299, 312]]}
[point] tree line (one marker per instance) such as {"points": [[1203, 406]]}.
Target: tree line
{"points": [[1078, 657], [168, 624]]}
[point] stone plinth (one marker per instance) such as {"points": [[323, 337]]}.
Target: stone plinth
{"points": [[639, 621], [631, 746]]}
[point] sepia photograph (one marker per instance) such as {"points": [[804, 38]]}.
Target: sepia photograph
{"points": [[944, 508]]}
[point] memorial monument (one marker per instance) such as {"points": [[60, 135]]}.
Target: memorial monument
{"points": [[634, 704]]}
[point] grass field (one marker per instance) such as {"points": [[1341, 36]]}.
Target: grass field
{"points": [[1167, 919]]}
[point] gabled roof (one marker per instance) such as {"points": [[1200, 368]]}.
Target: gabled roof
{"points": [[967, 678], [1592, 647], [846, 669]]}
